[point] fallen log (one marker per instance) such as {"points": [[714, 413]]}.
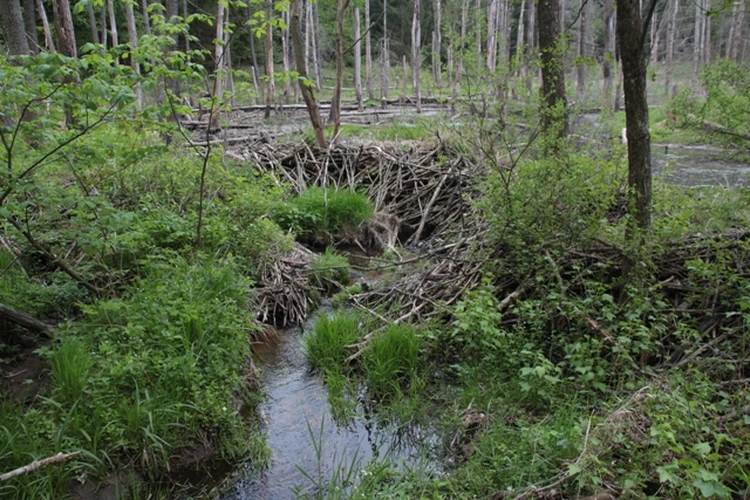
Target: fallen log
{"points": [[24, 320]]}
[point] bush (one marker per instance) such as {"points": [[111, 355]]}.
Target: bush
{"points": [[321, 213], [330, 272], [326, 346], [391, 359]]}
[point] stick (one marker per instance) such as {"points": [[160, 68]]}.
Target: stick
{"points": [[38, 464]]}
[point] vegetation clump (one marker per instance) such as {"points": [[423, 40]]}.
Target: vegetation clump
{"points": [[327, 346], [330, 272], [391, 360]]}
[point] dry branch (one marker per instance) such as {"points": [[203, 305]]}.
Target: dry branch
{"points": [[37, 464]]}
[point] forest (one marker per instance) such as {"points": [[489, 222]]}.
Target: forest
{"points": [[374, 249]]}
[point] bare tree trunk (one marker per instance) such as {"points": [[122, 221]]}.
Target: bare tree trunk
{"points": [[671, 27], [609, 53], [562, 16], [184, 18], [450, 57], [530, 44], [92, 22], [146, 20], [554, 103], [255, 67], [618, 89], [14, 28], [357, 60], [304, 83], [49, 44], [706, 39], [416, 53], [735, 33], [491, 36], [478, 33], [308, 17], [438, 44], [386, 52], [29, 20], [270, 84], [630, 35], [368, 53], [654, 40], [461, 51], [112, 23], [316, 49], [66, 40], [404, 80], [581, 68], [697, 42], [334, 116], [285, 60], [103, 23], [228, 57], [133, 40], [521, 32], [218, 92]]}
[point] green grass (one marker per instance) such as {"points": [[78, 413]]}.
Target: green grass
{"points": [[391, 359], [330, 272], [327, 345], [320, 214]]}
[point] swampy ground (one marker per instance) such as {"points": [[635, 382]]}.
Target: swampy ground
{"points": [[433, 307]]}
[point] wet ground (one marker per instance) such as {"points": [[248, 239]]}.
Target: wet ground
{"points": [[300, 428], [700, 166]]}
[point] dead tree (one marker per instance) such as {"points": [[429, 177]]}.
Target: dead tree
{"points": [[416, 54]]}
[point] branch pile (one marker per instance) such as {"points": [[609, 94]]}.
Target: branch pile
{"points": [[283, 286], [423, 187]]}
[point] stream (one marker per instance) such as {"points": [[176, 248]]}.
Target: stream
{"points": [[699, 166], [297, 418]]}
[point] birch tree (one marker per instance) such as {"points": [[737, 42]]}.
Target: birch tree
{"points": [[133, 41], [735, 31], [368, 53], [416, 54], [112, 23], [671, 28], [438, 44], [357, 60]]}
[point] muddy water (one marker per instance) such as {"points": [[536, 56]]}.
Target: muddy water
{"points": [[699, 166], [296, 403]]}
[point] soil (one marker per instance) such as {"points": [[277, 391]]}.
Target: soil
{"points": [[23, 378]]}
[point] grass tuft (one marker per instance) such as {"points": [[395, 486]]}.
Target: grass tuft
{"points": [[330, 272], [391, 359], [326, 346]]}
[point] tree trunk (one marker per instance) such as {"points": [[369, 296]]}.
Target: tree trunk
{"points": [[316, 51], [438, 44], [305, 84], [706, 38], [254, 58], [618, 89], [654, 40], [554, 103], [270, 84], [478, 33], [146, 20], [671, 27], [630, 35], [461, 51], [491, 36], [697, 42], [103, 22], [66, 40], [133, 40], [368, 53], [29, 20], [49, 44], [112, 23], [285, 59], [334, 116], [92, 22], [14, 28], [609, 53], [386, 78], [735, 33], [308, 17], [530, 44], [581, 67], [218, 92], [357, 60], [229, 82], [521, 32], [184, 19], [416, 54], [404, 81]]}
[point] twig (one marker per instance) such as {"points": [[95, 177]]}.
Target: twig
{"points": [[38, 464]]}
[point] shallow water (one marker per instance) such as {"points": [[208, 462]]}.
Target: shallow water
{"points": [[699, 166], [295, 409]]}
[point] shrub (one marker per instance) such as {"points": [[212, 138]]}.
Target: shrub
{"points": [[319, 213], [390, 361], [330, 272], [326, 346]]}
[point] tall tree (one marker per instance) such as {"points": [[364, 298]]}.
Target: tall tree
{"points": [[304, 84], [133, 41], [334, 116], [316, 48], [631, 35], [49, 44], [491, 35], [103, 24], [112, 23], [698, 39], [706, 38], [219, 47], [416, 53], [554, 103], [461, 50], [66, 39], [29, 21], [478, 33], [14, 28], [385, 56], [438, 44], [735, 31], [357, 60], [530, 43], [654, 41], [270, 83], [146, 20], [671, 28], [581, 67], [368, 52], [92, 22], [609, 53], [286, 57]]}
